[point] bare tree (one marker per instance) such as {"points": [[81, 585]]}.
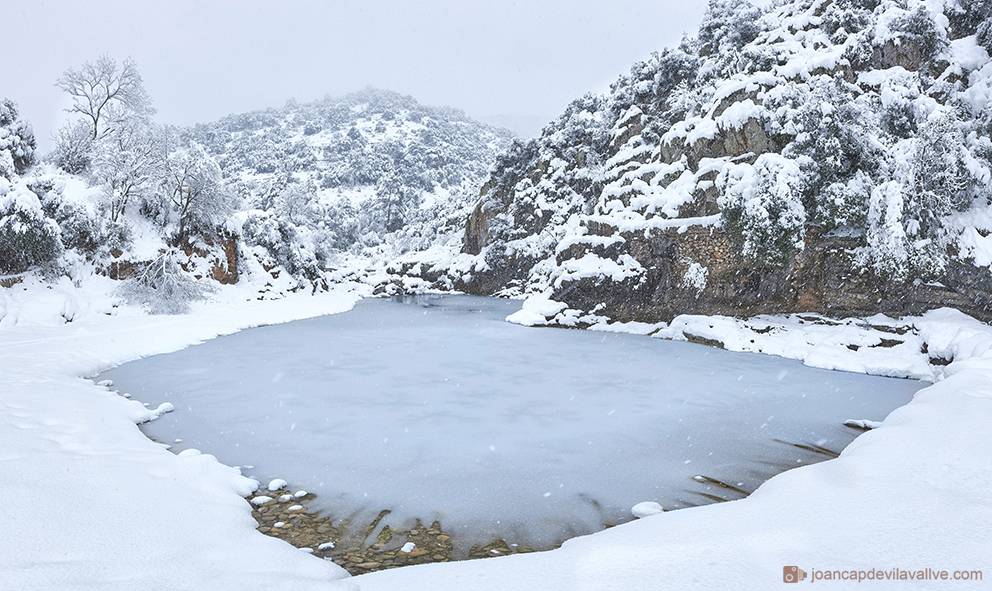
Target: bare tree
{"points": [[104, 93]]}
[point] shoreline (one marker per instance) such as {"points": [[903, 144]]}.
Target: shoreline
{"points": [[363, 548], [283, 514]]}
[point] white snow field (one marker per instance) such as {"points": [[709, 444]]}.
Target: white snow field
{"points": [[438, 409], [89, 503]]}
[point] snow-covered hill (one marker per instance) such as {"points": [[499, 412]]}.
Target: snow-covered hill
{"points": [[355, 172], [283, 198], [828, 155]]}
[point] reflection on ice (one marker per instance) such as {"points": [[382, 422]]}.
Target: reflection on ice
{"points": [[438, 409]]}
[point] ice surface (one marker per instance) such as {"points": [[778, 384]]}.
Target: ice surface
{"points": [[441, 410]]}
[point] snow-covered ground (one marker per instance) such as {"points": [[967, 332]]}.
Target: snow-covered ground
{"points": [[89, 503]]}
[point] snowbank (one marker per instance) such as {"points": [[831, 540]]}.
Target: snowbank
{"points": [[88, 501]]}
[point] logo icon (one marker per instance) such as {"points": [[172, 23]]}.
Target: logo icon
{"points": [[793, 574]]}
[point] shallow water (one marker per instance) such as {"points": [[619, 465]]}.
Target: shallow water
{"points": [[438, 409]]}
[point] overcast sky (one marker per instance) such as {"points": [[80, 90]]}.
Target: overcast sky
{"points": [[203, 59]]}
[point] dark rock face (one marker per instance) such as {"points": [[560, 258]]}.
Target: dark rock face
{"points": [[822, 278], [226, 271]]}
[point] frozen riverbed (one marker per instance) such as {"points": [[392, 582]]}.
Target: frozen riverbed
{"points": [[438, 409]]}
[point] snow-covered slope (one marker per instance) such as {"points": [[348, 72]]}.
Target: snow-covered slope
{"points": [[297, 197], [357, 171], [828, 155]]}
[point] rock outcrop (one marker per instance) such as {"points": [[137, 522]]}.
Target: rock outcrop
{"points": [[827, 157]]}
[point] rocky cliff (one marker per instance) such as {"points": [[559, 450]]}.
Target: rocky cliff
{"points": [[825, 155]]}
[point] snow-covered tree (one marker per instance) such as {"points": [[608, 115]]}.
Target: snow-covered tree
{"points": [[727, 27], [917, 29], [941, 177], [17, 143], [112, 136], [126, 164], [762, 204], [829, 128], [194, 185], [297, 202], [110, 106], [888, 245], [387, 211]]}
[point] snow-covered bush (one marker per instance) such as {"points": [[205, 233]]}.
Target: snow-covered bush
{"points": [[73, 148], [727, 27], [27, 237], [918, 30], [899, 118], [162, 287], [82, 228], [81, 231], [762, 205], [283, 244], [943, 181], [695, 278], [17, 144]]}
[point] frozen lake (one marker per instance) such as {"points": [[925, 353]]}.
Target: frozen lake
{"points": [[438, 409]]}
